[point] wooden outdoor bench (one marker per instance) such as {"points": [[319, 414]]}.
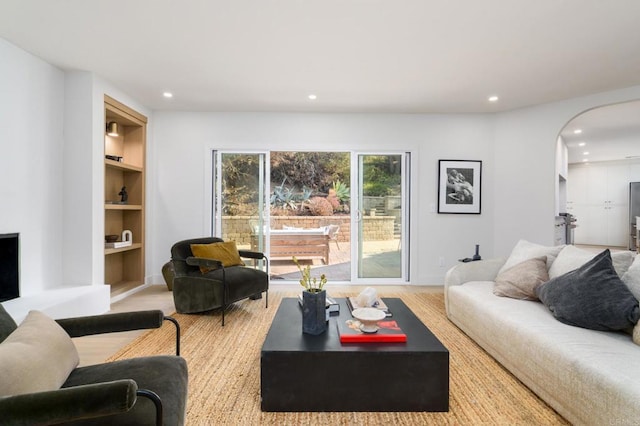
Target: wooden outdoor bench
{"points": [[303, 244]]}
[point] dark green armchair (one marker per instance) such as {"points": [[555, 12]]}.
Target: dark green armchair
{"points": [[195, 292], [148, 390]]}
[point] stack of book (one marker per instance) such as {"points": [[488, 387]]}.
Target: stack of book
{"points": [[352, 303], [388, 331], [118, 244]]}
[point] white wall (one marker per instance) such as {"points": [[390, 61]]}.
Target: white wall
{"points": [[525, 147], [52, 182], [40, 105], [31, 164], [518, 149], [183, 143], [83, 240]]}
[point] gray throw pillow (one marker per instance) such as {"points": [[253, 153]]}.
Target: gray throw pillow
{"points": [[592, 296]]}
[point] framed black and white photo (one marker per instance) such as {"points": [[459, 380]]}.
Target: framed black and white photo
{"points": [[459, 186]]}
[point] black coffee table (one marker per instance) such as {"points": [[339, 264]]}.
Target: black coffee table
{"points": [[301, 372]]}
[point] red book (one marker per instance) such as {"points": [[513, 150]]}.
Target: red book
{"points": [[388, 331]]}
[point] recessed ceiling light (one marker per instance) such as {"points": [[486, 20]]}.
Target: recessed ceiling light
{"points": [[585, 153], [493, 98], [585, 159], [167, 94], [313, 97], [582, 144], [577, 131]]}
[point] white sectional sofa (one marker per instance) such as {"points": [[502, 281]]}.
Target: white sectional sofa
{"points": [[589, 377]]}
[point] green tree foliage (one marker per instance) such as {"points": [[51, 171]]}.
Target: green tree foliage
{"points": [[382, 175], [296, 176], [240, 177], [314, 170]]}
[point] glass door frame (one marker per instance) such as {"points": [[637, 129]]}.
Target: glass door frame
{"points": [[216, 188], [358, 213], [214, 203]]}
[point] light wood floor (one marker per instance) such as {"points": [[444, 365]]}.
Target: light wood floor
{"points": [[96, 349]]}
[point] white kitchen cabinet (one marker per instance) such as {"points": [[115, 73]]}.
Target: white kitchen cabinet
{"points": [[598, 196], [577, 186], [618, 178]]}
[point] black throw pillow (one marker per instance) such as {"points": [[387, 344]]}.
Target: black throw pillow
{"points": [[592, 296]]}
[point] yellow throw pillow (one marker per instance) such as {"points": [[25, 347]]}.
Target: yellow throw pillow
{"points": [[226, 252]]}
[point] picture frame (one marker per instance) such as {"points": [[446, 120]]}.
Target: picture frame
{"points": [[459, 186]]}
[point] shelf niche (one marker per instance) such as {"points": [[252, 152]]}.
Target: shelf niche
{"points": [[124, 167]]}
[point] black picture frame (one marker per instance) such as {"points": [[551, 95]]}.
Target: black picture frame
{"points": [[459, 186]]}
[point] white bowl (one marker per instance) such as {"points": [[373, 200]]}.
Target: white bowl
{"points": [[369, 318]]}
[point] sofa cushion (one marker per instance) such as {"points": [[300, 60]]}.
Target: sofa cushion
{"points": [[226, 252], [38, 356], [521, 280], [525, 250], [632, 278], [571, 258], [592, 296]]}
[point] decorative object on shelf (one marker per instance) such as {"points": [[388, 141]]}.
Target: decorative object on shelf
{"points": [[368, 298], [475, 256], [332, 307], [111, 238], [114, 158], [112, 128], [123, 195], [368, 318], [314, 300], [459, 186], [127, 240]]}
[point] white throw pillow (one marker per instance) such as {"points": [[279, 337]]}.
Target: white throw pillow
{"points": [[521, 281], [571, 258], [525, 250], [38, 356], [632, 278]]}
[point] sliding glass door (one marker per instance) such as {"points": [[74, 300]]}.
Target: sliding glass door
{"points": [[239, 199], [382, 216], [353, 227]]}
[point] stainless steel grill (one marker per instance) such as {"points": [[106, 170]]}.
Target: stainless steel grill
{"points": [[570, 224]]}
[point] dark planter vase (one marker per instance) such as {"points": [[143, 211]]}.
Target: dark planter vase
{"points": [[314, 316]]}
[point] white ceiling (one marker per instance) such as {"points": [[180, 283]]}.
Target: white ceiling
{"points": [[355, 55], [609, 133]]}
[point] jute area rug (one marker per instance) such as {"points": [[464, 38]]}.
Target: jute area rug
{"points": [[224, 372]]}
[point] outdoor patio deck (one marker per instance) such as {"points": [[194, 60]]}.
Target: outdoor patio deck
{"points": [[381, 259]]}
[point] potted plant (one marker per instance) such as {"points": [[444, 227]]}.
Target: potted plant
{"points": [[314, 300]]}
